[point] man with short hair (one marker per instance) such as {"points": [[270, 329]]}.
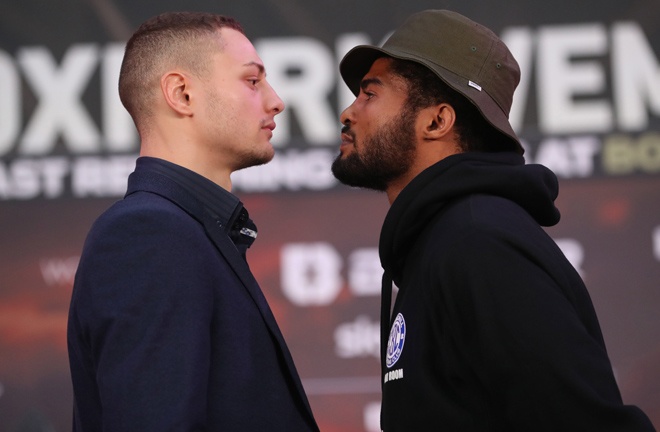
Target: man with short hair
{"points": [[492, 329], [168, 329]]}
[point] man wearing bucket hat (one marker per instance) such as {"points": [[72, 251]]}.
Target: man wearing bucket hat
{"points": [[492, 329]]}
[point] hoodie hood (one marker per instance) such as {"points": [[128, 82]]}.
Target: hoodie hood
{"points": [[533, 187]]}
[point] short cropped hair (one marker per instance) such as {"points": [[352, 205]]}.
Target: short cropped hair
{"points": [[425, 89], [172, 39]]}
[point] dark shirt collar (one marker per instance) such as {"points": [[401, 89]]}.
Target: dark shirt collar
{"points": [[225, 206]]}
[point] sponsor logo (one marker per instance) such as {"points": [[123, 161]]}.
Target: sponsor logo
{"points": [[396, 341]]}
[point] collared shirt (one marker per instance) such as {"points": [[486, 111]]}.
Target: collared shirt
{"points": [[225, 206]]}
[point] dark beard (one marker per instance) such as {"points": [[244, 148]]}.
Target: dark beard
{"points": [[383, 157]]}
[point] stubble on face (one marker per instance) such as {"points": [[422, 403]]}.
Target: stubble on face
{"points": [[257, 154], [244, 154], [381, 158]]}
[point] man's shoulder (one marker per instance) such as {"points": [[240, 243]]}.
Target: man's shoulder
{"points": [[483, 211], [144, 206], [144, 216], [476, 218]]}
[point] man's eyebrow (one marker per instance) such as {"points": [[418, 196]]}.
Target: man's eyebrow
{"points": [[259, 66], [369, 81]]}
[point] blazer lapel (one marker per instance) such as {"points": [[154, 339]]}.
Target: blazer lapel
{"points": [[230, 253]]}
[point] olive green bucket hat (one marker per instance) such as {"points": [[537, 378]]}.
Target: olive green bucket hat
{"points": [[467, 56]]}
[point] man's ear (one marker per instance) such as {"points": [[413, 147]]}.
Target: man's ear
{"points": [[438, 121], [175, 87]]}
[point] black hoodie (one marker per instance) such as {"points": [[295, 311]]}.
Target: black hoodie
{"points": [[492, 328]]}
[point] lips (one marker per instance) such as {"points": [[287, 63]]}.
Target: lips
{"points": [[347, 141], [347, 135], [268, 127]]}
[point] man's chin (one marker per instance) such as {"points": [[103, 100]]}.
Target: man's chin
{"points": [[351, 173], [256, 159]]}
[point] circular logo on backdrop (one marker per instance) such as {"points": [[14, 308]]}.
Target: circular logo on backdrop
{"points": [[395, 343]]}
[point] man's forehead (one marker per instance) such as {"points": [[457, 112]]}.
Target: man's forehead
{"points": [[236, 48], [234, 41], [381, 64], [381, 73]]}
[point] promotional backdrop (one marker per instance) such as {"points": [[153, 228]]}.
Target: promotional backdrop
{"points": [[588, 107]]}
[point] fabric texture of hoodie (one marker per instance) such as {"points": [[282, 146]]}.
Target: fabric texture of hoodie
{"points": [[492, 328]]}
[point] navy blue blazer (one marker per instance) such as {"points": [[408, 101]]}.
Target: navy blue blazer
{"points": [[168, 329]]}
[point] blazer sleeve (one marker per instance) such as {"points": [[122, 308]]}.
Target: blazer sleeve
{"points": [[143, 301]]}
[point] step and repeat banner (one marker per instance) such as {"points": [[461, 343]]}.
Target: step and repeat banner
{"points": [[588, 107]]}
